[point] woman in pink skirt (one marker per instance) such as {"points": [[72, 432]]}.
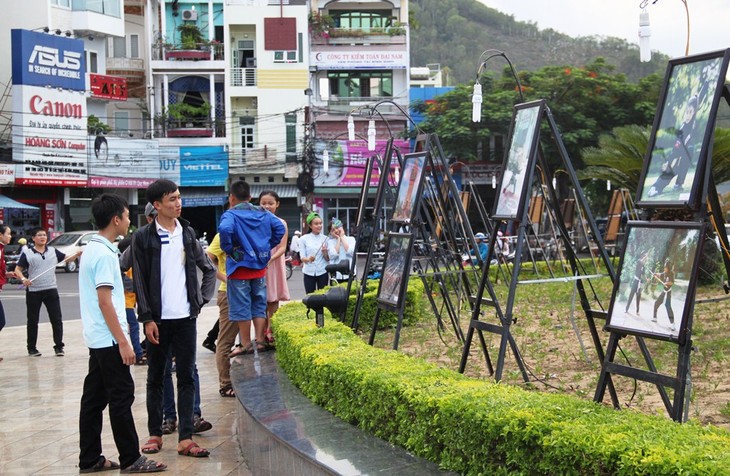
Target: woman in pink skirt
{"points": [[276, 287]]}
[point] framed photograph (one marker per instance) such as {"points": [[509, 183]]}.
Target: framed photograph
{"points": [[396, 270], [654, 291], [364, 190], [409, 187], [674, 168], [519, 161]]}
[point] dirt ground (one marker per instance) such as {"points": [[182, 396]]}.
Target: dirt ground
{"points": [[552, 334]]}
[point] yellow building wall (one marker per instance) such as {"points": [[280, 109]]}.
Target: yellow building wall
{"points": [[282, 79]]}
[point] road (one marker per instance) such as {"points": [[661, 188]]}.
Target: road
{"points": [[13, 297]]}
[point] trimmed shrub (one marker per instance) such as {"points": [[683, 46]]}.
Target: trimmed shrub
{"points": [[478, 427]]}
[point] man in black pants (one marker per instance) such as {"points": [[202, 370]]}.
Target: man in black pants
{"points": [[41, 288]]}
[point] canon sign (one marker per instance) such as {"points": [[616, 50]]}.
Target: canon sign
{"points": [[40, 59]]}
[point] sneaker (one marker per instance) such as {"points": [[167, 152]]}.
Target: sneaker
{"points": [[200, 425], [209, 344], [677, 188], [34, 353], [653, 192], [59, 353], [169, 426]]}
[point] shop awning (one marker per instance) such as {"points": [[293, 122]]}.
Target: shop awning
{"points": [[284, 191], [7, 202]]}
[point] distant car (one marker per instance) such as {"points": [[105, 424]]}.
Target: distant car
{"points": [[69, 243]]}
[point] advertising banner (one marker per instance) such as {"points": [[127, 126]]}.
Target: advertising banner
{"points": [[7, 174], [118, 162], [108, 87], [346, 167], [49, 136], [203, 166], [40, 59]]}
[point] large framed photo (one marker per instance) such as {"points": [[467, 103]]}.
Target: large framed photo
{"points": [[396, 270], [409, 187], [518, 162], [675, 165], [654, 292]]}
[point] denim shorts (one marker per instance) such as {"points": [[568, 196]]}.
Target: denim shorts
{"points": [[246, 299]]}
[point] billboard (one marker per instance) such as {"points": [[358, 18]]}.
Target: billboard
{"points": [[203, 166], [40, 59], [49, 136], [346, 167], [122, 162]]}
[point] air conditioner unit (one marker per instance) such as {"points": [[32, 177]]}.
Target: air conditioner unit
{"points": [[191, 15], [250, 62]]}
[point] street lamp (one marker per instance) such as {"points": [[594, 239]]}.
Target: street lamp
{"points": [[645, 31], [476, 112]]}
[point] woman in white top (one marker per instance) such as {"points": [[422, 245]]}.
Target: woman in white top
{"points": [[311, 247], [340, 247]]}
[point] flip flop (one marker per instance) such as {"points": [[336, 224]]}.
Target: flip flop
{"points": [[153, 445], [194, 451], [102, 465]]}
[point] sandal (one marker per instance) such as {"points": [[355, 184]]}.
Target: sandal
{"points": [[194, 451], [102, 465], [169, 426], [153, 445], [241, 350], [227, 391], [144, 465]]}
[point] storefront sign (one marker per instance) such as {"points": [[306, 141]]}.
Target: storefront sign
{"points": [[49, 136], [42, 59], [354, 59], [347, 160], [108, 87], [203, 166], [7, 174]]}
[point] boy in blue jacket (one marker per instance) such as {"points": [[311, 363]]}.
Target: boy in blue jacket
{"points": [[248, 234]]}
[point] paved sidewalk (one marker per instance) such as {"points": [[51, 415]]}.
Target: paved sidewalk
{"points": [[40, 401]]}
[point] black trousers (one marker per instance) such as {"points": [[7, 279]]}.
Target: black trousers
{"points": [[313, 283], [33, 302], [109, 382]]}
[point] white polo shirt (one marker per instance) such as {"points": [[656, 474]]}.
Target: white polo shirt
{"points": [[173, 292]]}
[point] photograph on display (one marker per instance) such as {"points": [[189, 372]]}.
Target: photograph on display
{"points": [[674, 169], [656, 279], [409, 187], [394, 281], [523, 140]]}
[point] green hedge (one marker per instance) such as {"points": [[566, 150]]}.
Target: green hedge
{"points": [[478, 427]]}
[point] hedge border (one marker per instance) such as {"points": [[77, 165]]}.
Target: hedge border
{"points": [[478, 427]]}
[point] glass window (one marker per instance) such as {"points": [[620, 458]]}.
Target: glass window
{"points": [[362, 20], [361, 83], [291, 132], [93, 62], [119, 47], [121, 122], [134, 46], [62, 3]]}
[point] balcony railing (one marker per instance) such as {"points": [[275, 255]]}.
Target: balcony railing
{"points": [[129, 64], [243, 76], [395, 35], [202, 52], [346, 104]]}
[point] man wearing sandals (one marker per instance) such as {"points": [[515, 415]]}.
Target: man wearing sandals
{"points": [[109, 381], [248, 234], [166, 256]]}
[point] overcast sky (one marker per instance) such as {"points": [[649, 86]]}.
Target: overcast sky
{"points": [[709, 20]]}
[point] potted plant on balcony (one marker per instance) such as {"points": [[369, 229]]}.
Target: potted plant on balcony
{"points": [[189, 120], [320, 24], [192, 45]]}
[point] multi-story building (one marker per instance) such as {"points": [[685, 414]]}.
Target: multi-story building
{"points": [[359, 56]]}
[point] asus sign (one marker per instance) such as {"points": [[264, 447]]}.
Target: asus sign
{"points": [[40, 59]]}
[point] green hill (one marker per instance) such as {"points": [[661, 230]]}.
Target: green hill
{"points": [[455, 32]]}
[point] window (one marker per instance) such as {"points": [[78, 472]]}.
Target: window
{"points": [[291, 133], [134, 46], [248, 130], [93, 62], [363, 84], [285, 56], [119, 47], [121, 122], [363, 20], [62, 3]]}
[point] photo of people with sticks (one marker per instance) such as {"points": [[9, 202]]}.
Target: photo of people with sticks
{"points": [[680, 142], [524, 129], [395, 270], [409, 187], [656, 279]]}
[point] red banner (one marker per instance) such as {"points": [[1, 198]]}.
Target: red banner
{"points": [[108, 87]]}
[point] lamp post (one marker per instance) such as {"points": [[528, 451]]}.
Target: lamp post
{"points": [[645, 31]]}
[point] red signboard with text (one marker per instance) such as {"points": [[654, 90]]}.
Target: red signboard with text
{"points": [[108, 87]]}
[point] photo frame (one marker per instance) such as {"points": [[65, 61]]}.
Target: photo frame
{"points": [[677, 157], [653, 294], [409, 188], [396, 270], [365, 189], [519, 161]]}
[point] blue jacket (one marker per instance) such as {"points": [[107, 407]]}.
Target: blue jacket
{"points": [[247, 234]]}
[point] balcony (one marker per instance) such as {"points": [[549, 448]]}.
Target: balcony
{"points": [[345, 105], [243, 76], [395, 35], [178, 52]]}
